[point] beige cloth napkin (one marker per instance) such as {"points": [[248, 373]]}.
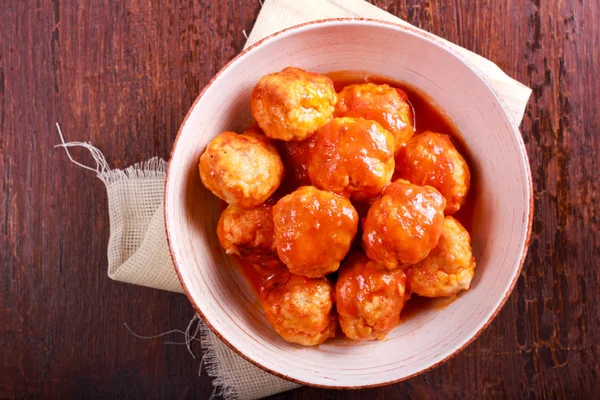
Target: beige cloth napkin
{"points": [[137, 249]]}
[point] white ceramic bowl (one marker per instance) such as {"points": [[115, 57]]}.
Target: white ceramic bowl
{"points": [[501, 223]]}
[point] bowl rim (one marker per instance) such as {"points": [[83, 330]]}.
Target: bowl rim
{"points": [[516, 133]]}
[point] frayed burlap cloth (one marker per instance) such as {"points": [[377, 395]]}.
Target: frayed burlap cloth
{"points": [[137, 249]]}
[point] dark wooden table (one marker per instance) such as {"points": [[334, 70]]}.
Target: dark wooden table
{"points": [[122, 74]]}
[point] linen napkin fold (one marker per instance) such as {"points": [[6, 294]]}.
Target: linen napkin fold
{"points": [[138, 252]]}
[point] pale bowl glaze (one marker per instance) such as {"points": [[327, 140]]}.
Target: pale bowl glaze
{"points": [[502, 211]]}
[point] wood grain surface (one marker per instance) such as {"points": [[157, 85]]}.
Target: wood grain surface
{"points": [[122, 74]]}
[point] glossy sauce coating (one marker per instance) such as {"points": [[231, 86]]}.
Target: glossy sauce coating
{"points": [[404, 225], [352, 157], [450, 266], [243, 170], [369, 298], [381, 103], [313, 230], [300, 309], [432, 159], [292, 104]]}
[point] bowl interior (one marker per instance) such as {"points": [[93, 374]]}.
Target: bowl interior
{"points": [[500, 222]]}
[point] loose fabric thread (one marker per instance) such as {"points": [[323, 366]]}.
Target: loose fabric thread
{"points": [[189, 337], [138, 253]]}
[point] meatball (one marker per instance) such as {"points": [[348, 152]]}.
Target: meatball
{"points": [[369, 298], [300, 309], [313, 230], [293, 104], [450, 266], [352, 157], [403, 225], [243, 170], [248, 233], [382, 103], [431, 159]]}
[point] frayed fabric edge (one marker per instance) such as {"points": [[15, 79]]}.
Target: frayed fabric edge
{"points": [[212, 363], [155, 167]]}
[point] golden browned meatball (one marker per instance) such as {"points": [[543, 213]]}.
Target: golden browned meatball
{"points": [[313, 230], [352, 157], [382, 103], [243, 170], [450, 266], [248, 233], [432, 159], [293, 104], [403, 225], [369, 298], [300, 309]]}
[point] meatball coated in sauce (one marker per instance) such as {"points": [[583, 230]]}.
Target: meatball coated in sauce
{"points": [[300, 309], [403, 225], [293, 104], [313, 230], [369, 298], [249, 233], [450, 266], [381, 103], [352, 157], [243, 170], [432, 159]]}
